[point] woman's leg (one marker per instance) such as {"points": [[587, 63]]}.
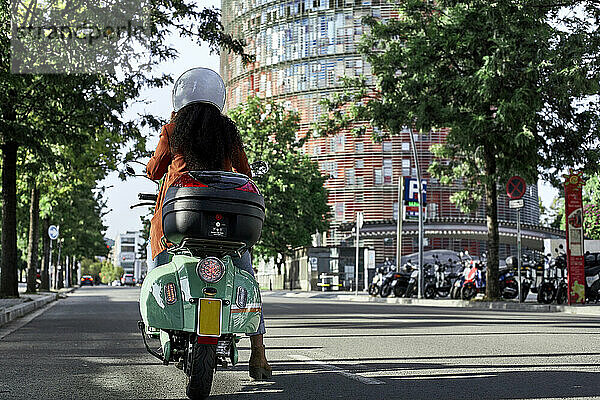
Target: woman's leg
{"points": [[259, 367]]}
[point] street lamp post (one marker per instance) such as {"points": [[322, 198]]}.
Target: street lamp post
{"points": [[420, 199]]}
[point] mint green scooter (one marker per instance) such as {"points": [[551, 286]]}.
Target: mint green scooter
{"points": [[199, 302]]}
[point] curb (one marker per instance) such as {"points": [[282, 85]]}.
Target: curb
{"points": [[19, 310], [477, 305]]}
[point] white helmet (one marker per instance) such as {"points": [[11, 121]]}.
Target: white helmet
{"points": [[199, 85]]}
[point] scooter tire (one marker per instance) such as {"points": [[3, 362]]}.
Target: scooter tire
{"points": [[202, 371], [468, 291], [561, 295], [430, 292], [374, 290], [399, 290], [546, 293], [386, 290], [454, 292]]}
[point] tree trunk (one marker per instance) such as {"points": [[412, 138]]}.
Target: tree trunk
{"points": [[32, 248], [8, 279], [45, 270], [491, 211], [75, 280]]}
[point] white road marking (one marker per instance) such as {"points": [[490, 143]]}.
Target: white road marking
{"points": [[338, 370], [21, 322]]}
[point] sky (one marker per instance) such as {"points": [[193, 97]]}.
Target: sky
{"points": [[121, 194]]}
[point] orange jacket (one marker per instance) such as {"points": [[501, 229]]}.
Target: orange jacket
{"points": [[172, 166]]}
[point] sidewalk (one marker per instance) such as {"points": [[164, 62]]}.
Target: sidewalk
{"points": [[11, 309], [588, 309]]}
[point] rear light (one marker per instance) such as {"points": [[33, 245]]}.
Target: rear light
{"points": [[207, 340], [249, 187], [211, 269], [186, 180]]}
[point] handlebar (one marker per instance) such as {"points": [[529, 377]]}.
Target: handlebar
{"points": [[147, 196]]}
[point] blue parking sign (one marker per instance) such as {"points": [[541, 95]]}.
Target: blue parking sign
{"points": [[411, 190]]}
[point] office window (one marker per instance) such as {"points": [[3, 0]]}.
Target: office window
{"points": [[359, 163], [405, 146], [395, 210], [359, 198], [360, 181], [359, 147], [387, 146], [432, 210], [350, 176], [405, 167], [378, 177], [387, 171], [339, 211], [337, 143]]}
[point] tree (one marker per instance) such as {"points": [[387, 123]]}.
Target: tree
{"points": [[507, 78], [591, 208], [41, 113], [295, 198], [109, 272], [91, 267]]}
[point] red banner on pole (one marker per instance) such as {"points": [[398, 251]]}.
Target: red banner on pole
{"points": [[575, 240]]}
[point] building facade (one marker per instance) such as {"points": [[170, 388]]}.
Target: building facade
{"points": [[126, 252], [302, 49]]}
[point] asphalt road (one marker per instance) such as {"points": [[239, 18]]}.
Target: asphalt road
{"points": [[87, 347]]}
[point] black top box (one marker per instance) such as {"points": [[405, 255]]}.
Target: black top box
{"points": [[219, 212]]}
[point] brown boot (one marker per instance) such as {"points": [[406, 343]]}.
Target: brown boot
{"points": [[258, 366]]}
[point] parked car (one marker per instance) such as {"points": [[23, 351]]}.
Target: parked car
{"points": [[116, 282], [128, 280], [86, 280]]}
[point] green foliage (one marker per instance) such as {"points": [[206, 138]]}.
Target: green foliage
{"points": [[109, 272], [295, 197], [71, 130], [91, 267], [591, 221]]}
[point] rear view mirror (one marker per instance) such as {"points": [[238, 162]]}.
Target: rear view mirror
{"points": [[130, 170], [259, 168]]}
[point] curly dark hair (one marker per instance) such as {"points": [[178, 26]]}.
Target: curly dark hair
{"points": [[204, 137]]}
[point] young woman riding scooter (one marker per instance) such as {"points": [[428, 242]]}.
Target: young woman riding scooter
{"points": [[200, 138]]}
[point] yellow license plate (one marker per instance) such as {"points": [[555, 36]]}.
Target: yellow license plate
{"points": [[209, 317]]}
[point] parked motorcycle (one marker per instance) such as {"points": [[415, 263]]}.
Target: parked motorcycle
{"points": [[526, 278], [199, 303], [394, 282], [377, 282], [592, 277], [379, 278]]}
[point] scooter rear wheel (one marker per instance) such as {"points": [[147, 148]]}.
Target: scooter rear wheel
{"points": [[202, 370]]}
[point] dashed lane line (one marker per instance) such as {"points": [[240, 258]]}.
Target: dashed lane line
{"points": [[337, 370]]}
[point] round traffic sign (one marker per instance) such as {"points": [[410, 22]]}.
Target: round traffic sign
{"points": [[515, 187], [53, 232]]}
